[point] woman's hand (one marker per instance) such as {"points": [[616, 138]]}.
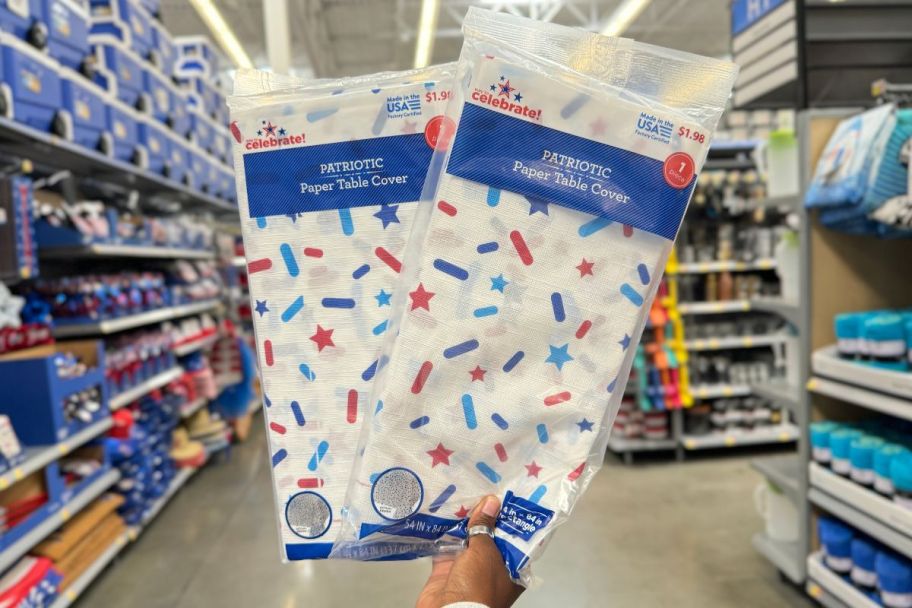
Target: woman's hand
{"points": [[478, 574]]}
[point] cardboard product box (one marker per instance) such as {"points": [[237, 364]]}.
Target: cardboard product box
{"points": [[89, 549], [61, 542]]}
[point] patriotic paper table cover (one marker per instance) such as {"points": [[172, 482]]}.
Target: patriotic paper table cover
{"points": [[328, 179], [527, 283]]}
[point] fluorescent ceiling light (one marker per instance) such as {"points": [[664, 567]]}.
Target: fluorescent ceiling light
{"points": [[427, 29], [623, 16], [222, 32]]}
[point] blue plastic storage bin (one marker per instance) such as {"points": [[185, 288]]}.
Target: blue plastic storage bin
{"points": [[123, 125], [202, 130], [24, 19], [201, 95], [212, 181], [226, 184], [31, 86], [153, 7], [221, 143], [196, 56], [153, 137], [86, 107], [199, 168], [159, 93], [118, 70], [180, 120], [178, 165], [33, 394], [68, 31], [126, 20], [164, 53]]}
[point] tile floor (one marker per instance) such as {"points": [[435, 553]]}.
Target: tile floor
{"points": [[654, 535]]}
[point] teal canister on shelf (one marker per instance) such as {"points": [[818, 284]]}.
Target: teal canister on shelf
{"points": [[820, 440], [885, 340], [901, 476], [861, 459], [883, 456], [840, 446], [847, 327], [908, 318]]}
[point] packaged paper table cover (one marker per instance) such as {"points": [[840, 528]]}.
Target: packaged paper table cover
{"points": [[328, 176], [527, 282]]}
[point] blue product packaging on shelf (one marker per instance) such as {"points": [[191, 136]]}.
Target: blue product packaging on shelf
{"points": [[202, 96], [861, 459], [196, 56], [202, 131], [820, 440], [840, 446], [160, 93], [882, 459], [126, 20], [180, 114], [18, 245], [198, 168], [836, 539], [33, 82], [24, 19], [123, 125], [68, 32], [864, 554], [884, 335], [118, 70], [86, 105], [154, 138], [894, 576], [545, 160], [887, 199], [46, 481], [165, 53], [226, 186], [221, 143], [210, 182], [179, 160]]}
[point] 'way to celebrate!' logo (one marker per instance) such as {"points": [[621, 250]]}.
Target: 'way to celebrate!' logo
{"points": [[271, 136], [504, 96]]}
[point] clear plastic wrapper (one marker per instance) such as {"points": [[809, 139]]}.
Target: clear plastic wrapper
{"points": [[526, 283], [328, 175]]}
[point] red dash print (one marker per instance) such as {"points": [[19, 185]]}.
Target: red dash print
{"points": [[521, 248], [313, 252], [557, 398], [446, 208], [575, 473], [310, 482], [259, 265], [501, 451], [387, 258], [628, 230], [422, 377], [583, 329], [278, 428], [351, 413], [267, 352]]}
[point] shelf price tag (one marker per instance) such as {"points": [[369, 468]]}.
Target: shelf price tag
{"points": [[690, 444], [812, 384], [748, 342], [714, 344], [730, 441], [4, 483], [728, 391], [814, 591], [63, 448], [64, 514], [783, 436]]}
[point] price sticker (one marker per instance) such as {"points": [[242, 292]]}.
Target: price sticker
{"points": [[814, 591], [690, 444], [812, 384], [18, 474], [64, 514], [4, 483], [714, 344], [727, 391], [63, 448], [783, 437], [747, 342], [730, 441]]}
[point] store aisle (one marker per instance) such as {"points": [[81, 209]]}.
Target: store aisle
{"points": [[649, 536]]}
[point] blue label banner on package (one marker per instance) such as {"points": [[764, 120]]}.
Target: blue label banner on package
{"points": [[361, 173], [521, 517], [542, 163], [747, 12], [428, 527]]}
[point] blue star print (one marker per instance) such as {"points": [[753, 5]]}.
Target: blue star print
{"points": [[499, 283], [387, 215], [584, 425], [624, 342], [261, 307], [282, 131], [493, 87], [537, 205], [559, 355], [259, 134], [383, 298], [517, 97]]}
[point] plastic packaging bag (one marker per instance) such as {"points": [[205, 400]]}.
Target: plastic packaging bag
{"points": [[527, 283], [328, 175]]}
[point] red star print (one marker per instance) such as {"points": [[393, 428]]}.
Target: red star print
{"points": [[478, 373], [585, 268], [421, 298], [533, 470], [505, 89], [323, 338], [439, 455], [462, 512]]}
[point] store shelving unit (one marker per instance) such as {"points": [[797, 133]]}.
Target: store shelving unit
{"points": [[82, 583], [719, 266], [192, 407], [195, 345], [830, 589], [111, 326], [104, 250], [784, 433], [132, 394]]}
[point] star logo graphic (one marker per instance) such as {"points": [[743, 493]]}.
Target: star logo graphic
{"points": [[499, 283], [559, 355], [478, 373], [537, 205], [505, 90], [624, 342], [323, 338], [282, 132], [517, 98], [462, 512], [269, 129], [383, 298], [598, 126], [532, 470], [387, 215], [585, 268], [261, 307], [439, 455], [259, 133], [584, 425], [421, 298], [493, 87]]}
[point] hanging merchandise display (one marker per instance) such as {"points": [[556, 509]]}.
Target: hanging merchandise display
{"points": [[528, 277], [324, 243]]}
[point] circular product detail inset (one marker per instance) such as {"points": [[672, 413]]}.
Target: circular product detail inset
{"points": [[308, 515], [678, 170], [397, 493], [439, 131]]}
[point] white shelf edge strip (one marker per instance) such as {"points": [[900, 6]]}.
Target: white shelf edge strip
{"points": [[775, 434], [42, 456], [146, 318], [131, 394], [180, 478], [191, 408], [734, 342], [721, 265], [777, 391], [624, 444], [780, 471], [833, 584], [880, 402], [706, 308], [91, 573], [708, 391], [12, 553], [826, 362], [781, 554], [192, 347], [117, 250]]}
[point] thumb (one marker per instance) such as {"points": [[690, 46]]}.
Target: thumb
{"points": [[484, 514]]}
